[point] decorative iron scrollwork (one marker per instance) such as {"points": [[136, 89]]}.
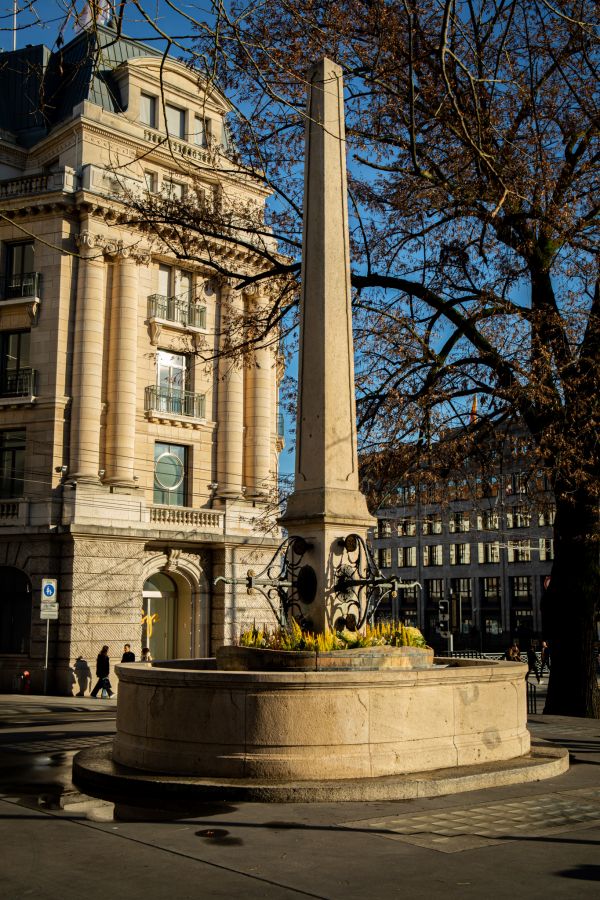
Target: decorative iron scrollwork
{"points": [[359, 586], [284, 582]]}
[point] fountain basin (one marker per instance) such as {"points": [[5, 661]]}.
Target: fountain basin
{"points": [[256, 659], [292, 725]]}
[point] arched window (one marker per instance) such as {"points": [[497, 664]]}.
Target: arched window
{"points": [[15, 610]]}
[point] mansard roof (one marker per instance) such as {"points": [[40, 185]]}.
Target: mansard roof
{"points": [[40, 88]]}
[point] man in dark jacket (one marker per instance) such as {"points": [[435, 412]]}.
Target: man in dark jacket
{"points": [[102, 672], [128, 656]]}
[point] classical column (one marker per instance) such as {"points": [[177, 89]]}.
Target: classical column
{"points": [[326, 505], [230, 434], [122, 372], [87, 361], [259, 395]]}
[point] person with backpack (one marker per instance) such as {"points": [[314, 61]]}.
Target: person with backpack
{"points": [[102, 673]]}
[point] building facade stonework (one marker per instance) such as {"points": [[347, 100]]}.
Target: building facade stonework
{"points": [[481, 543], [136, 464]]}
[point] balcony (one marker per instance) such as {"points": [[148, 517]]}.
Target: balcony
{"points": [[25, 286], [17, 387], [176, 310], [64, 181], [173, 406], [181, 516]]}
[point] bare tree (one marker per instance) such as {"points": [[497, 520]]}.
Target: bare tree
{"points": [[472, 131]]}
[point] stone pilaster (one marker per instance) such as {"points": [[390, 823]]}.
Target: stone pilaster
{"points": [[230, 434], [87, 361], [122, 371]]}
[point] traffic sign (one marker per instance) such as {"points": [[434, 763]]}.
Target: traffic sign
{"points": [[49, 611], [49, 590]]}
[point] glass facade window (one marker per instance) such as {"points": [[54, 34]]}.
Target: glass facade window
{"points": [[21, 277], [385, 557], [458, 522], [519, 551], [14, 363], [489, 552], [460, 554], [461, 600], [546, 516], [433, 555], [546, 549], [151, 179], [12, 464], [434, 590], [432, 524], [173, 190], [490, 590], [488, 520], [409, 595], [516, 483], [521, 589], [202, 131], [170, 474], [406, 494], [384, 528], [407, 527], [148, 105], [407, 556], [492, 625], [175, 120], [518, 517]]}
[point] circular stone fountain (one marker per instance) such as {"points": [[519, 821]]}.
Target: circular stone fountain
{"points": [[189, 732]]}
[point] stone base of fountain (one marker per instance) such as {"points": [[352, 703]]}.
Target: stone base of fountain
{"points": [[255, 659], [276, 730]]}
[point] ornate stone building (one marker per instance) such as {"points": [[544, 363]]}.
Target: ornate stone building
{"points": [[132, 470]]}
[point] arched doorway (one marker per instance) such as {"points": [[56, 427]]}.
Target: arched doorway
{"points": [[160, 601], [15, 610]]}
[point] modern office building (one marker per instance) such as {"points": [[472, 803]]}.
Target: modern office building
{"points": [[136, 464], [481, 541]]}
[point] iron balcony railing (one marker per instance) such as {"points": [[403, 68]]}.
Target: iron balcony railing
{"points": [[18, 384], [174, 402], [26, 284], [176, 309]]}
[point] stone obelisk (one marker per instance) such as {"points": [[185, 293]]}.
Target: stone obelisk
{"points": [[326, 504]]}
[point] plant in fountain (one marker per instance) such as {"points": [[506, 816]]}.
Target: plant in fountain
{"points": [[292, 637]]}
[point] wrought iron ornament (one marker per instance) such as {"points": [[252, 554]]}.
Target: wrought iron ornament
{"points": [[284, 582], [359, 585], [288, 586]]}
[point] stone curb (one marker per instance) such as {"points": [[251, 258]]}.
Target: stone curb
{"points": [[95, 773]]}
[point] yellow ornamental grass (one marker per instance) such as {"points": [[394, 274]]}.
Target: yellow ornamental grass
{"points": [[291, 638]]}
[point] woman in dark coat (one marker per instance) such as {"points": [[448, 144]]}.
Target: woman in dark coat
{"points": [[102, 672]]}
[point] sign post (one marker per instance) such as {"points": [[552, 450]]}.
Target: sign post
{"points": [[48, 610]]}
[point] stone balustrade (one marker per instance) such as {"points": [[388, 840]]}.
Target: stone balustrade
{"points": [[178, 516]]}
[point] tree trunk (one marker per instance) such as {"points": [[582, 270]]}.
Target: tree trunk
{"points": [[570, 608]]}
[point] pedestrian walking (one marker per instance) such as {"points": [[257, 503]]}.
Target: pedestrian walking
{"points": [[83, 674], [146, 655], [545, 658], [128, 656], [532, 663], [102, 673]]}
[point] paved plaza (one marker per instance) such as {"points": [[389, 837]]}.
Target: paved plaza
{"points": [[540, 839]]}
